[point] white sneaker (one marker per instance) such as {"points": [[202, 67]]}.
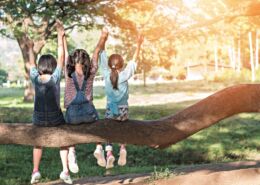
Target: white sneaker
{"points": [[110, 162], [73, 166], [122, 157], [66, 178], [35, 177], [99, 155]]}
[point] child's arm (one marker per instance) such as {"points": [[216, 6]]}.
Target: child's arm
{"points": [[32, 62], [102, 40], [61, 53], [66, 54], [137, 51], [100, 46], [65, 47], [129, 71]]}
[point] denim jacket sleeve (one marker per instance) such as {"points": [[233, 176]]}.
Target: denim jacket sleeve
{"points": [[33, 74], [56, 75]]}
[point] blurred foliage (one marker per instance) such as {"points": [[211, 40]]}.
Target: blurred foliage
{"points": [[211, 145], [177, 33], [3, 76]]}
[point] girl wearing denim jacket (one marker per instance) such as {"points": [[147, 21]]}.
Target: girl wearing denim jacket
{"points": [[116, 87]]}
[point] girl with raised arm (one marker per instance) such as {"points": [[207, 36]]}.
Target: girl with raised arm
{"points": [[116, 87], [79, 75], [46, 80]]}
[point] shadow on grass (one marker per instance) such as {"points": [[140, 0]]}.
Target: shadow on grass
{"points": [[233, 139]]}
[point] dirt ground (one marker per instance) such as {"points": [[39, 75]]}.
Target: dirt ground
{"points": [[235, 173]]}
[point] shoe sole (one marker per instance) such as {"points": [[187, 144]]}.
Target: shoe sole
{"points": [[66, 181], [122, 158], [36, 180], [110, 163], [100, 161]]}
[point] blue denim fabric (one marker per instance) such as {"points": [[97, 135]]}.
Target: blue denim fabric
{"points": [[80, 110], [47, 111]]}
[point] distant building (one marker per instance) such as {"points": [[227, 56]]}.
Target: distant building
{"points": [[199, 71]]}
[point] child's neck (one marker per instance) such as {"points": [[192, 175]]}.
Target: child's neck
{"points": [[78, 69], [45, 77]]}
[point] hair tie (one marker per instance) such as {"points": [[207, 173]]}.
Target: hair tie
{"points": [[113, 66]]}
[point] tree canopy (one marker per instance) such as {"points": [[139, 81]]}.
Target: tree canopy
{"points": [[171, 28]]}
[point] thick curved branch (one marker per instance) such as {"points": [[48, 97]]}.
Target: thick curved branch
{"points": [[156, 133]]}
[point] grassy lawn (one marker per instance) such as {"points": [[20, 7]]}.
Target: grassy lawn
{"points": [[236, 138]]}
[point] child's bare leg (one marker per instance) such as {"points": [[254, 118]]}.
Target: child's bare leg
{"points": [[73, 166], [64, 158], [37, 155], [64, 175]]}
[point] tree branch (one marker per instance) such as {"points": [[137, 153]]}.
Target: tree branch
{"points": [[155, 133], [248, 11]]}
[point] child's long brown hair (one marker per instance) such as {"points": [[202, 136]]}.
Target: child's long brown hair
{"points": [[115, 62], [79, 56]]}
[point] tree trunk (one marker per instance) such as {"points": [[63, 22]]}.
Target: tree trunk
{"points": [[22, 42], [155, 133], [234, 57], [144, 69], [216, 57], [239, 56], [256, 50], [251, 56], [231, 59]]}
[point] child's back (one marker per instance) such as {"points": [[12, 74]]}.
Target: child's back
{"points": [[47, 111], [116, 87], [117, 97]]}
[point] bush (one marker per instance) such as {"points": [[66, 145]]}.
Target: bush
{"points": [[167, 76], [230, 75], [3, 76], [181, 75]]}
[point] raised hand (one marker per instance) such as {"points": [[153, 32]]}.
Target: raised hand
{"points": [[105, 32], [139, 43], [59, 27], [140, 39], [61, 34]]}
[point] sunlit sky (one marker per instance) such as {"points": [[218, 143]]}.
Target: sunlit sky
{"points": [[190, 3]]}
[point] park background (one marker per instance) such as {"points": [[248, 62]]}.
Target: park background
{"points": [[192, 49]]}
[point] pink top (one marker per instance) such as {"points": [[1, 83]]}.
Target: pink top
{"points": [[70, 90]]}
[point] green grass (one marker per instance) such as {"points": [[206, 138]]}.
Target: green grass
{"points": [[233, 139]]}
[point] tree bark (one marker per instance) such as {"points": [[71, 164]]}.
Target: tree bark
{"points": [[239, 56], [252, 63], [155, 133], [256, 50], [22, 42], [216, 55]]}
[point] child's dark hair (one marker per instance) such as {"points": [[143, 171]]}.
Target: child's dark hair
{"points": [[47, 64], [115, 62], [79, 56]]}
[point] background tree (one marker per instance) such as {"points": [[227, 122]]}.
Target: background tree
{"points": [[3, 76], [169, 27], [34, 21], [179, 32]]}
